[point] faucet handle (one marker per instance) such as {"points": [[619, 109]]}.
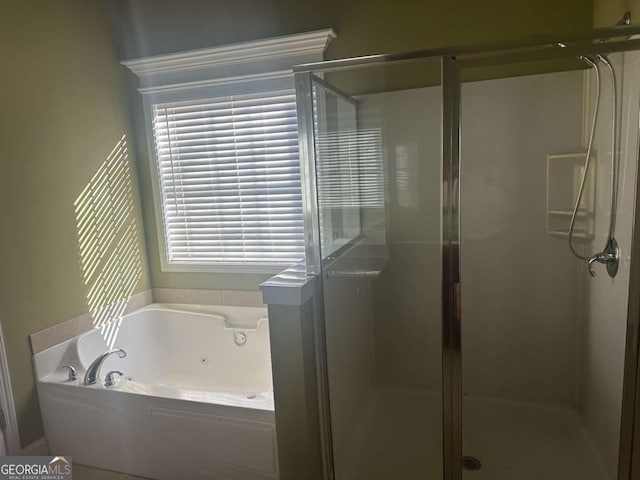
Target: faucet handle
{"points": [[590, 262], [109, 380], [121, 353], [72, 373]]}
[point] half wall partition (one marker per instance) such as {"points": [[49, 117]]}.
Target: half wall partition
{"points": [[460, 336]]}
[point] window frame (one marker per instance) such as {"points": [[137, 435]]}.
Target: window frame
{"points": [[263, 66], [276, 82]]}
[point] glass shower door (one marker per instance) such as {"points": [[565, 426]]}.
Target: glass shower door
{"points": [[376, 148], [463, 338], [543, 342]]}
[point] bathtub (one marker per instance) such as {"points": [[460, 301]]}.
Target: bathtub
{"points": [[195, 400]]}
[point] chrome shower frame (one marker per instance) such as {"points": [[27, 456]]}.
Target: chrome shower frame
{"points": [[454, 61]]}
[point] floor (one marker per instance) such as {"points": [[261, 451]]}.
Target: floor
{"points": [[82, 472], [511, 440]]}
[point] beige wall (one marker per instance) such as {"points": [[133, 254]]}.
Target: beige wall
{"points": [[148, 27], [62, 112]]}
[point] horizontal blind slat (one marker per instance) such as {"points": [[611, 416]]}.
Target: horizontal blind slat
{"points": [[229, 174]]}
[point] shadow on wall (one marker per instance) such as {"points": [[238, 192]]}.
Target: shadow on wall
{"points": [[109, 241]]}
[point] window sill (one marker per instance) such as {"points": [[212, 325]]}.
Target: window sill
{"points": [[248, 269]]}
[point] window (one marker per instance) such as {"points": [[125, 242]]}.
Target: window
{"points": [[349, 169], [229, 174], [223, 145]]}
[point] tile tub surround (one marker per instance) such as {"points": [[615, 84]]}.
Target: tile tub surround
{"points": [[237, 298], [56, 334], [51, 336]]}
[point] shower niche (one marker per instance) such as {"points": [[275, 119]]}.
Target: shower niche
{"points": [[564, 172]]}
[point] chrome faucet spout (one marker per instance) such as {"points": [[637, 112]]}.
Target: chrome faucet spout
{"points": [[93, 372]]}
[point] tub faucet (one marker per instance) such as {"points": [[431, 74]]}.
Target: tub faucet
{"points": [[93, 372]]}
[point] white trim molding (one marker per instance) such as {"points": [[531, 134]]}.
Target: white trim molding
{"points": [[11, 434], [229, 61], [248, 68], [221, 81], [244, 52]]}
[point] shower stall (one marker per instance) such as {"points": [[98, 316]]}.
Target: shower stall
{"points": [[458, 335]]}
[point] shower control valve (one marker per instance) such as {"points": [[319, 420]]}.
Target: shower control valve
{"points": [[610, 257]]}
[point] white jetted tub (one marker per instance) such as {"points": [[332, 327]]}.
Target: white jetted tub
{"points": [[195, 400]]}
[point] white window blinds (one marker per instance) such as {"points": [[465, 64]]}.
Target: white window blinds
{"points": [[350, 169], [229, 176]]}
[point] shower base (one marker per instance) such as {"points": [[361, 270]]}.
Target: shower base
{"points": [[402, 440]]}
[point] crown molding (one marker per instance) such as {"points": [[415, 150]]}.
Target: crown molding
{"points": [[311, 43], [216, 81]]}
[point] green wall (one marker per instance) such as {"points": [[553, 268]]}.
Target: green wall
{"points": [[151, 27], [63, 109], [148, 27], [607, 12]]}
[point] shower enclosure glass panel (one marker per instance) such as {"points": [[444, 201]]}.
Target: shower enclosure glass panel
{"points": [[462, 336], [378, 178], [339, 160], [542, 342]]}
